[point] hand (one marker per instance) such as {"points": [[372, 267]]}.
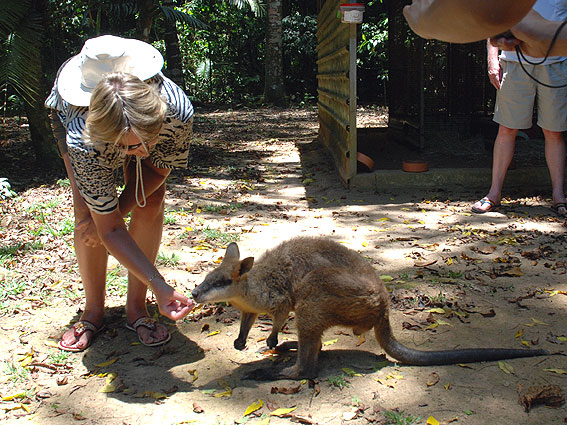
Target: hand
{"points": [[86, 231], [533, 34], [495, 75], [171, 303]]}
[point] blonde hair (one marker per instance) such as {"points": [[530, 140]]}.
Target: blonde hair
{"points": [[122, 102]]}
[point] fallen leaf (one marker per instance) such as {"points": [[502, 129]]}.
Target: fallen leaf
{"points": [[257, 405], [432, 379], [505, 367], [282, 411], [21, 394], [330, 342], [432, 421], [350, 372], [549, 395], [285, 390], [435, 310], [558, 371], [107, 363]]}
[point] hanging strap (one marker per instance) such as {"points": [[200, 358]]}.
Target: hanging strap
{"points": [[521, 56], [140, 183]]}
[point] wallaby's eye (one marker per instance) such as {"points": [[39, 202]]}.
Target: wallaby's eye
{"points": [[223, 282]]}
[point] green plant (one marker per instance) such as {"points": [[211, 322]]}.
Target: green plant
{"points": [[116, 284], [168, 261], [439, 299], [11, 287], [15, 372], [218, 236], [400, 418], [59, 357], [338, 381], [169, 217], [63, 183]]}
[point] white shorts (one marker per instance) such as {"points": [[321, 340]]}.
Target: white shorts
{"points": [[515, 99]]}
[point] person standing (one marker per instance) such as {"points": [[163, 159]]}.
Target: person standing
{"points": [[516, 94], [112, 107]]}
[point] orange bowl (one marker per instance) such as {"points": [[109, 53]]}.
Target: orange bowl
{"points": [[415, 166], [366, 162]]}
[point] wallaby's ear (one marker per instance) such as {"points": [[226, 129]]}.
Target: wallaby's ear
{"points": [[246, 265], [242, 267], [232, 252]]}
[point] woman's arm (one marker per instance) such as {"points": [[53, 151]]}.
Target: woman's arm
{"points": [[534, 34], [464, 21], [115, 237]]}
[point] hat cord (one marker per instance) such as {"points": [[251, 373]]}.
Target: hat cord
{"points": [[140, 183]]}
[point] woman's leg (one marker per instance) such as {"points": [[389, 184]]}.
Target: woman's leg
{"points": [[92, 268], [146, 225], [555, 152]]}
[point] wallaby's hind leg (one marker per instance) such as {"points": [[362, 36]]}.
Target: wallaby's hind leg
{"points": [[246, 322], [309, 345], [278, 321]]}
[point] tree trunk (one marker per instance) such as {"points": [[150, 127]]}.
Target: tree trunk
{"points": [[146, 15], [174, 68], [45, 148], [274, 91]]}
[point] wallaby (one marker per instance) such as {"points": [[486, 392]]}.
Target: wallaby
{"points": [[326, 284]]}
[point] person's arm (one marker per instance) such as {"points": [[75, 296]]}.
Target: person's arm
{"points": [[464, 21], [494, 69], [534, 34], [115, 237]]}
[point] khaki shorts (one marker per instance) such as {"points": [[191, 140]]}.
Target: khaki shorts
{"points": [[515, 99]]}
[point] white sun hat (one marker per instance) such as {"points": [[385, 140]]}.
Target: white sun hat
{"points": [[100, 56]]}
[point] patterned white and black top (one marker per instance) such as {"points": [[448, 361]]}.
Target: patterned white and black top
{"points": [[94, 163]]}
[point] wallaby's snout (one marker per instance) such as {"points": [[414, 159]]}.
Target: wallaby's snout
{"points": [[215, 287]]}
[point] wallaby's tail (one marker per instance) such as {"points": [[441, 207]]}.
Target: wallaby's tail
{"points": [[430, 358]]}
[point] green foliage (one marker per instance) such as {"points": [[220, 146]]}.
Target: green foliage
{"points": [[21, 37], [400, 418], [338, 381], [116, 283], [218, 236], [222, 63], [300, 56], [15, 372], [168, 260]]}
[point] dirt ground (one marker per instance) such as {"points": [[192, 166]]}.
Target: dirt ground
{"points": [[258, 177]]}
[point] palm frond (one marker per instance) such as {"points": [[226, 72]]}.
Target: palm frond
{"points": [[21, 32], [172, 14], [258, 7]]}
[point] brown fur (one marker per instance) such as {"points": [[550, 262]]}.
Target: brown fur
{"points": [[327, 285]]}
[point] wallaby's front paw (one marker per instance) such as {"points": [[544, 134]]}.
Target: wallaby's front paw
{"points": [[272, 341], [239, 344]]}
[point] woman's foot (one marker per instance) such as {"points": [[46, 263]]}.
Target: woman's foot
{"points": [[560, 209], [485, 205], [150, 332], [80, 336]]}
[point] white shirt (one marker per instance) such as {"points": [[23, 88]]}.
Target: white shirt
{"points": [[552, 10]]}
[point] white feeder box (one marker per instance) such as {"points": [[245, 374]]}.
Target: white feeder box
{"points": [[351, 13]]}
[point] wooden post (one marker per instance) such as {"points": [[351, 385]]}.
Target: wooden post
{"points": [[352, 143]]}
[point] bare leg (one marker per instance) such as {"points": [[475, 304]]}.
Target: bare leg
{"points": [[503, 153], [555, 157], [146, 227], [246, 322], [92, 267]]}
